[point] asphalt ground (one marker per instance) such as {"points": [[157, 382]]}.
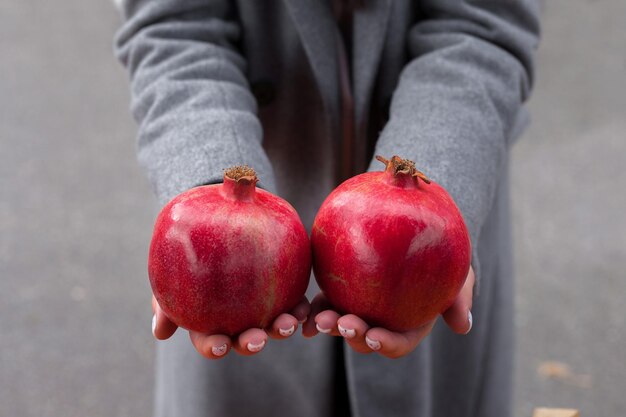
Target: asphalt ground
{"points": [[76, 215]]}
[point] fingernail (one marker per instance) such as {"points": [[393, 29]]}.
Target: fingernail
{"points": [[287, 332], [348, 333], [373, 344], [255, 347], [153, 324], [471, 321], [319, 329], [221, 350]]}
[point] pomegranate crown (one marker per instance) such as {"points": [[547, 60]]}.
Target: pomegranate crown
{"points": [[241, 173], [403, 166]]}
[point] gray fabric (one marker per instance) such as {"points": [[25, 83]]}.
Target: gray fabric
{"points": [[190, 94], [456, 74], [288, 379]]}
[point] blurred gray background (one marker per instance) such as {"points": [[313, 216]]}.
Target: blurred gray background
{"points": [[76, 215]]}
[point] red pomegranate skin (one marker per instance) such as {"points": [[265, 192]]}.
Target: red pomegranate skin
{"points": [[391, 249], [228, 257]]}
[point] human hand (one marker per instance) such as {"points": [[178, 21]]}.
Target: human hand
{"points": [[365, 339], [247, 343]]}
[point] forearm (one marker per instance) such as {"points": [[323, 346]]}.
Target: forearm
{"points": [[458, 98], [190, 96]]}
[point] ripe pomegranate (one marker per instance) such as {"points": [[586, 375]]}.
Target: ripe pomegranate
{"points": [[228, 257], [390, 247]]}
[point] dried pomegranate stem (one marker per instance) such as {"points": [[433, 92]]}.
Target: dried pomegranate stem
{"points": [[403, 166], [240, 182], [241, 173]]}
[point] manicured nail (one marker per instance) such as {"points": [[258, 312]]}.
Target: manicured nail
{"points": [[287, 332], [153, 324], [256, 347], [373, 344], [471, 321], [347, 333], [221, 350], [319, 329]]}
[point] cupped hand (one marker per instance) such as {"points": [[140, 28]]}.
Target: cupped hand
{"points": [[365, 339], [247, 343]]}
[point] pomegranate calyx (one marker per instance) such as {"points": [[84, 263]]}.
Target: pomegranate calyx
{"points": [[399, 166], [241, 173], [240, 183]]}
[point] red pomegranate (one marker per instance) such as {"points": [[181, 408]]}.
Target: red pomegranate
{"points": [[228, 257], [390, 247]]}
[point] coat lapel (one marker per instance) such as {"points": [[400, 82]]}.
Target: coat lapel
{"points": [[317, 27], [318, 32], [370, 28]]}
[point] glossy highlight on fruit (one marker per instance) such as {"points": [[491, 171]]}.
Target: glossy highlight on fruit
{"points": [[390, 247], [228, 257]]}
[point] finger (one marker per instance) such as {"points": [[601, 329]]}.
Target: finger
{"points": [[162, 327], [283, 326], [459, 315], [302, 310], [326, 322], [250, 342], [393, 344], [214, 346], [353, 330], [319, 304]]}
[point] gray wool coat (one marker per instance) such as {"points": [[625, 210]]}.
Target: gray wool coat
{"points": [[442, 82]]}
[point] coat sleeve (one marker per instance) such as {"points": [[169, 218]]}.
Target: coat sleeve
{"points": [[460, 97], [190, 96]]}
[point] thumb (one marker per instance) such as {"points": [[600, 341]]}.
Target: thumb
{"points": [[459, 315], [162, 327]]}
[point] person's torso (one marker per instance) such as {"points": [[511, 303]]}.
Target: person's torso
{"points": [[310, 134]]}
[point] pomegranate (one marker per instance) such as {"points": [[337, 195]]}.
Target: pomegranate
{"points": [[228, 257], [390, 247]]}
